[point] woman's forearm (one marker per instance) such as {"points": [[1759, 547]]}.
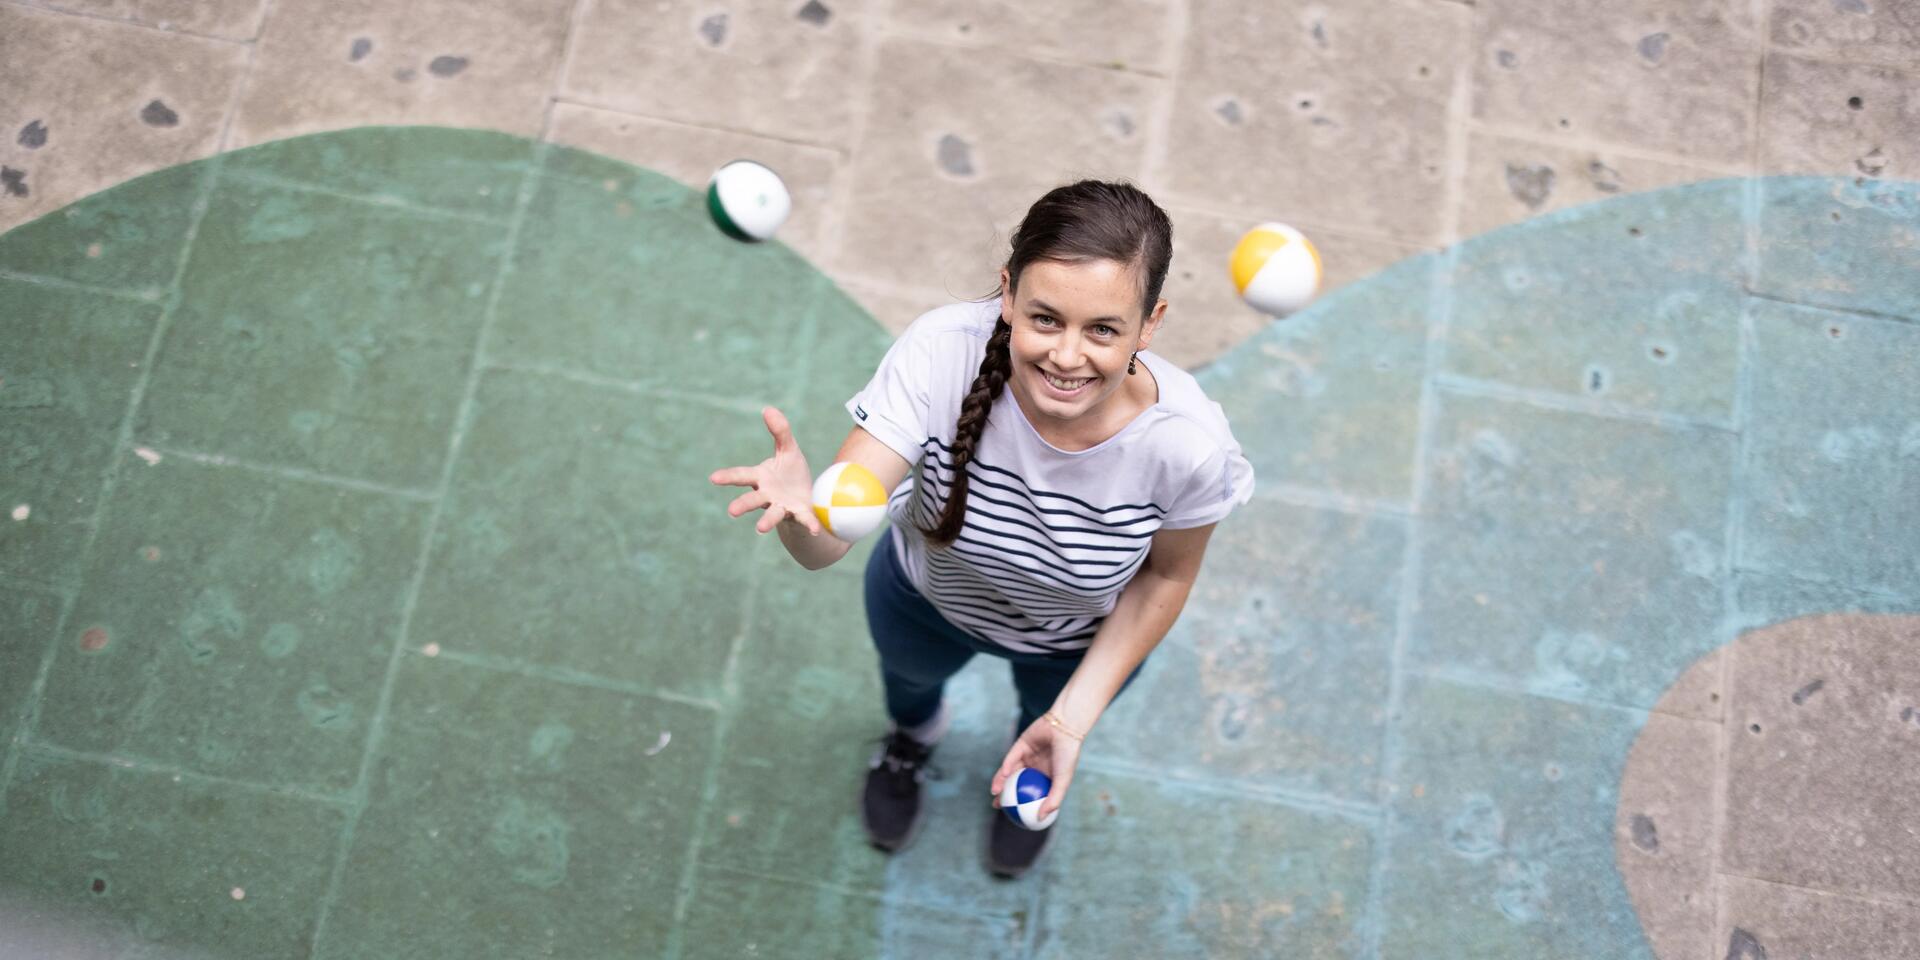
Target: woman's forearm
{"points": [[1141, 617], [812, 552]]}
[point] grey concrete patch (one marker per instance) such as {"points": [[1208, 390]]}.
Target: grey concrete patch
{"points": [[1820, 117], [1664, 840], [304, 79], [227, 19], [760, 69], [1129, 34], [1817, 790], [1583, 71], [1768, 921], [1881, 30], [1580, 175], [96, 136], [909, 216], [1322, 93]]}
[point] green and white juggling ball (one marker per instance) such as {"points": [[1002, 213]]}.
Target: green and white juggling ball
{"points": [[748, 200]]}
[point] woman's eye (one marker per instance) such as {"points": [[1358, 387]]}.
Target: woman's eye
{"points": [[1104, 330], [1043, 321]]}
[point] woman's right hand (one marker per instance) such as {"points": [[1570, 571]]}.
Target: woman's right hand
{"points": [[782, 484]]}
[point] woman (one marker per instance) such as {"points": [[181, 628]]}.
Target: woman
{"points": [[1060, 528]]}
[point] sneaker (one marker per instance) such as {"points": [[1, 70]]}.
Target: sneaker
{"points": [[1011, 848], [890, 804]]}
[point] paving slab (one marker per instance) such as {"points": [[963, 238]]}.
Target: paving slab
{"points": [[1534, 308], [1763, 919], [1823, 712], [1275, 677], [1502, 838], [1275, 104], [946, 146], [120, 862], [1614, 586], [328, 65], [1239, 878], [226, 616], [361, 293], [778, 71], [1847, 244], [1835, 429], [75, 128], [1675, 79], [508, 815], [73, 361], [1819, 116]]}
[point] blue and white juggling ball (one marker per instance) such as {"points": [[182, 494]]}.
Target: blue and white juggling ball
{"points": [[1020, 798]]}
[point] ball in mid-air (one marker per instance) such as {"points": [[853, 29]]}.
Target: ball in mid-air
{"points": [[1275, 269], [849, 501], [747, 200]]}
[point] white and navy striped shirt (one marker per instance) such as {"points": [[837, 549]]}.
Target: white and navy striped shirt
{"points": [[1051, 536]]}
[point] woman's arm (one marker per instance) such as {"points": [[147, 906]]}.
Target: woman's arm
{"points": [[1147, 607], [1141, 617]]}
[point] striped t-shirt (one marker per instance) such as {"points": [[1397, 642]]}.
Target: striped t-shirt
{"points": [[1051, 536]]}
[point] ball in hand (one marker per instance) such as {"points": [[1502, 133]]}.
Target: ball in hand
{"points": [[849, 501]]}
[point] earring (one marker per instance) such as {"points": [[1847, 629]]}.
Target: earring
{"points": [[1130, 361]]}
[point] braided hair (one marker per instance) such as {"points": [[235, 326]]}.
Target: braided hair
{"points": [[1076, 223]]}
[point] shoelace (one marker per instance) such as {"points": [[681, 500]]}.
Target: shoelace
{"points": [[904, 760]]}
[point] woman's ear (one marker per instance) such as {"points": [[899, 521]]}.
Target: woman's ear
{"points": [[1006, 294], [1152, 325]]}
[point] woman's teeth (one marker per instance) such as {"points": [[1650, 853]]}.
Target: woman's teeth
{"points": [[1067, 385]]}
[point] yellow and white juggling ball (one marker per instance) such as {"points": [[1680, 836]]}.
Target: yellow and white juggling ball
{"points": [[1276, 269], [849, 501]]}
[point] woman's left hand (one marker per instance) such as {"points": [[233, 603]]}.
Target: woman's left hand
{"points": [[1044, 748]]}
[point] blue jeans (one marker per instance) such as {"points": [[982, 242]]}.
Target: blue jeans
{"points": [[919, 649]]}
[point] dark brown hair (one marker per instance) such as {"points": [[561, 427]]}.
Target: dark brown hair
{"points": [[1080, 222]]}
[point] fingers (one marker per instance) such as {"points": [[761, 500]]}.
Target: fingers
{"points": [[1057, 795], [734, 477], [778, 426], [746, 502], [1014, 760]]}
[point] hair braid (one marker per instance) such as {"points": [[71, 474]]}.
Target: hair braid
{"points": [[994, 371]]}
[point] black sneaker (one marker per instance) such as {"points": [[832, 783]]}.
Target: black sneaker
{"points": [[890, 803], [1011, 848]]}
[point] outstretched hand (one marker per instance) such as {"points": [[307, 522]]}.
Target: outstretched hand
{"points": [[1046, 749], [782, 484]]}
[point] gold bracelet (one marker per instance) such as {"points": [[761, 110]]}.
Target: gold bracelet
{"points": [[1063, 728]]}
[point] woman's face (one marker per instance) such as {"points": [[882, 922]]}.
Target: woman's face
{"points": [[1074, 327]]}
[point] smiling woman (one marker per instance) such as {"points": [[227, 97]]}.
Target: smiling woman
{"points": [[1061, 531]]}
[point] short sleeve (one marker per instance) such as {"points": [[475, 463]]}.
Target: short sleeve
{"points": [[1224, 480], [894, 404]]}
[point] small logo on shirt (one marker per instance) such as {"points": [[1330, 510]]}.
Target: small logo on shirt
{"points": [[860, 412]]}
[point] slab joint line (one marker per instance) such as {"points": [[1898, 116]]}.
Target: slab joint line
{"points": [[462, 420], [109, 482], [1440, 314]]}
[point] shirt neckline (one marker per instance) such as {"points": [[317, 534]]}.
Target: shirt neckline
{"points": [[1160, 395]]}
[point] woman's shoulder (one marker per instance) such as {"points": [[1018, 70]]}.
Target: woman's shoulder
{"points": [[1189, 419], [971, 318]]}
